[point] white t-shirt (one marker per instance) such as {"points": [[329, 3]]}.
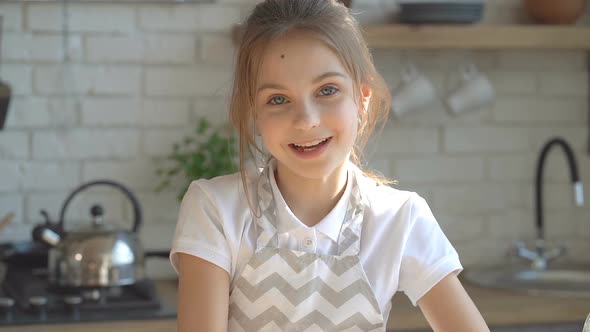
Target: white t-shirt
{"points": [[402, 246]]}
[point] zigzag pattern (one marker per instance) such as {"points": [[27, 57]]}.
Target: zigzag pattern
{"points": [[274, 315], [298, 262], [282, 268], [296, 295], [347, 242], [314, 302]]}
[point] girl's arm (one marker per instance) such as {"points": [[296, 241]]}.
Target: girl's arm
{"points": [[203, 295], [448, 308]]}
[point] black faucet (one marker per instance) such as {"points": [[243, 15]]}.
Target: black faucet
{"points": [[578, 189], [540, 256]]}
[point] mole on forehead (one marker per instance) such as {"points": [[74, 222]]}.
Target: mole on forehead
{"points": [[282, 56]]}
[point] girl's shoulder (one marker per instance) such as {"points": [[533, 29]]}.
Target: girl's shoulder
{"points": [[381, 195], [387, 198], [219, 185], [226, 191], [389, 204]]}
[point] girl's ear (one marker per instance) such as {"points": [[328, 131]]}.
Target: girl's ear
{"points": [[365, 97]]}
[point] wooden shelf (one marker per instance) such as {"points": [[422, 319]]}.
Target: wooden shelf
{"points": [[473, 36], [478, 36]]}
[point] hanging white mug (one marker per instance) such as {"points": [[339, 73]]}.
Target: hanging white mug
{"points": [[474, 92], [415, 92]]}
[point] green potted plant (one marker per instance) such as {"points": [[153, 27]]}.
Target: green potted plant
{"points": [[211, 151]]}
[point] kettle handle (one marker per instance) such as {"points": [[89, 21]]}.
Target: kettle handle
{"points": [[127, 192]]}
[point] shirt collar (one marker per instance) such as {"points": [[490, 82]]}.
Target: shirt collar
{"points": [[330, 225]]}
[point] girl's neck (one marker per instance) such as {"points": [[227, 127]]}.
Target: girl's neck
{"points": [[311, 199]]}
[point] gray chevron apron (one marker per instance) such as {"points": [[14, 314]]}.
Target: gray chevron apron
{"points": [[286, 290]]}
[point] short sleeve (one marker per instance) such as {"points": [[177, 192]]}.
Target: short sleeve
{"points": [[199, 230], [428, 256]]}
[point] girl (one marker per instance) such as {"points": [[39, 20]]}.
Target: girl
{"points": [[309, 241]]}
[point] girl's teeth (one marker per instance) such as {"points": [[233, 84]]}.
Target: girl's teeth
{"points": [[311, 146], [314, 143]]}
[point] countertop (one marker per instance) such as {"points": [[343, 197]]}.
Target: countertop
{"points": [[499, 308]]}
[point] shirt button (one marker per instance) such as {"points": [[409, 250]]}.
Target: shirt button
{"points": [[308, 242]]}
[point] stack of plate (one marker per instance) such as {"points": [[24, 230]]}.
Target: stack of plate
{"points": [[452, 11]]}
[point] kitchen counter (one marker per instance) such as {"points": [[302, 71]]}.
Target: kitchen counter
{"points": [[499, 308]]}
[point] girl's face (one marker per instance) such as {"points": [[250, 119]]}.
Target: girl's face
{"points": [[307, 114]]}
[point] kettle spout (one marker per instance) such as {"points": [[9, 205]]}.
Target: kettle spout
{"points": [[44, 234], [47, 233], [50, 237]]}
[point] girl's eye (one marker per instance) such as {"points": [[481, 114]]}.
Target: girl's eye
{"points": [[328, 90], [277, 100]]}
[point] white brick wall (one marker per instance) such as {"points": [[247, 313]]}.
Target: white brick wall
{"points": [[559, 83], [210, 109], [88, 80], [83, 17], [451, 170], [12, 203], [554, 60], [50, 175], [485, 139], [541, 110], [20, 78], [41, 112], [14, 145], [38, 48], [153, 49], [165, 113], [13, 16], [158, 142], [82, 144], [140, 75], [11, 176], [217, 49], [184, 82]]}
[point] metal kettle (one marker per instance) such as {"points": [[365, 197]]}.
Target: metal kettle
{"points": [[96, 255]]}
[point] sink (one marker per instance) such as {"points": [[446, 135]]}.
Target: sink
{"points": [[569, 281]]}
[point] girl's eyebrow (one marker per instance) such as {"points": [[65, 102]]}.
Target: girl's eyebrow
{"points": [[315, 80]]}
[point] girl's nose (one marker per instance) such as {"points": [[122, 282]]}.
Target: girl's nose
{"points": [[307, 116]]}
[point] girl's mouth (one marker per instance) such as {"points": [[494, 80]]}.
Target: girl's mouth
{"points": [[311, 146]]}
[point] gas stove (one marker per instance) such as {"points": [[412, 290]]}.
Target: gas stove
{"points": [[27, 298]]}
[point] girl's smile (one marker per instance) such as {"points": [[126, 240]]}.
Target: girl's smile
{"points": [[311, 149]]}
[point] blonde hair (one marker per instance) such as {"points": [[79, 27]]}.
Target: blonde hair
{"points": [[333, 24]]}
